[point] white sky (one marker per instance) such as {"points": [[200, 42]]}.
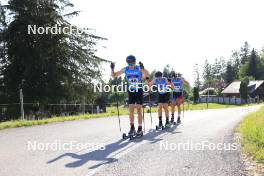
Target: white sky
{"points": [[176, 32]]}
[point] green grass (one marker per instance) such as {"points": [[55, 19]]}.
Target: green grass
{"points": [[111, 111], [252, 131], [18, 123], [211, 106]]}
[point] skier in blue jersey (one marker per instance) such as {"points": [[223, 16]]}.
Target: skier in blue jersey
{"points": [[177, 97], [134, 75], [164, 88]]}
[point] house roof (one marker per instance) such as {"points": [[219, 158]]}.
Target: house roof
{"points": [[206, 90], [233, 88]]}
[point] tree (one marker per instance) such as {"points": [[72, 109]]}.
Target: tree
{"points": [[166, 71], [3, 97], [235, 60], [253, 65], [243, 90], [50, 67], [152, 74], [207, 73], [244, 52], [197, 81], [230, 74], [195, 94], [261, 65]]}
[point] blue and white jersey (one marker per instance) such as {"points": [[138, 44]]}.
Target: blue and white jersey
{"points": [[133, 77], [177, 85], [162, 85]]}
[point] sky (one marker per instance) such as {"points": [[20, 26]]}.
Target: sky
{"points": [[181, 33]]}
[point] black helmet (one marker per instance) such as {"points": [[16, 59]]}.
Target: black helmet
{"points": [[158, 74], [172, 74], [131, 59]]}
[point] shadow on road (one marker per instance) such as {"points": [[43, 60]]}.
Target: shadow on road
{"points": [[152, 136]]}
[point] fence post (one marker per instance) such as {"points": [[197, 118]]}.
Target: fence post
{"points": [[21, 104]]}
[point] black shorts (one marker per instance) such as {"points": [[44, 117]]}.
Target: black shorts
{"points": [[164, 98], [135, 97]]}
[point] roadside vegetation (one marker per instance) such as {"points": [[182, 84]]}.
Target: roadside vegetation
{"points": [[252, 131], [111, 111]]}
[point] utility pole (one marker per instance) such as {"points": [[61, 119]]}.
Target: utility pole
{"points": [[21, 104], [208, 94]]}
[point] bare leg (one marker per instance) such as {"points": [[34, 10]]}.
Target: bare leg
{"points": [[131, 113], [139, 111], [160, 110], [173, 109], [160, 114], [179, 110], [166, 109], [179, 102]]}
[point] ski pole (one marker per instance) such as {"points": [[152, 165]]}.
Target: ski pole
{"points": [[117, 106], [183, 104], [144, 119], [150, 110], [112, 66]]}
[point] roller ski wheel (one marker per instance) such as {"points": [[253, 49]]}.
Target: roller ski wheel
{"points": [[136, 136], [130, 134], [173, 122], [139, 134], [159, 127], [125, 136], [131, 137], [167, 125]]}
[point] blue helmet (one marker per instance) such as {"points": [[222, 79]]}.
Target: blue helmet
{"points": [[131, 59]]}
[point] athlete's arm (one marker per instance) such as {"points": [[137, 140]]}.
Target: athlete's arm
{"points": [[145, 73], [118, 73], [150, 83], [170, 83]]}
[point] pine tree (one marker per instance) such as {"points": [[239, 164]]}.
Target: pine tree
{"points": [[197, 81], [2, 53], [253, 65], [166, 71], [236, 62], [244, 52], [207, 73], [195, 94], [49, 67], [230, 74], [243, 90], [261, 66]]}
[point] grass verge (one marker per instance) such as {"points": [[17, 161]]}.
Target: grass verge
{"points": [[112, 111], [252, 131]]}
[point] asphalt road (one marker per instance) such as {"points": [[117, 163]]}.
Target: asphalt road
{"points": [[203, 145]]}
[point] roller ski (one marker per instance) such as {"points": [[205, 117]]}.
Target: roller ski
{"points": [[132, 134], [179, 121], [160, 126], [167, 125], [173, 122]]}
